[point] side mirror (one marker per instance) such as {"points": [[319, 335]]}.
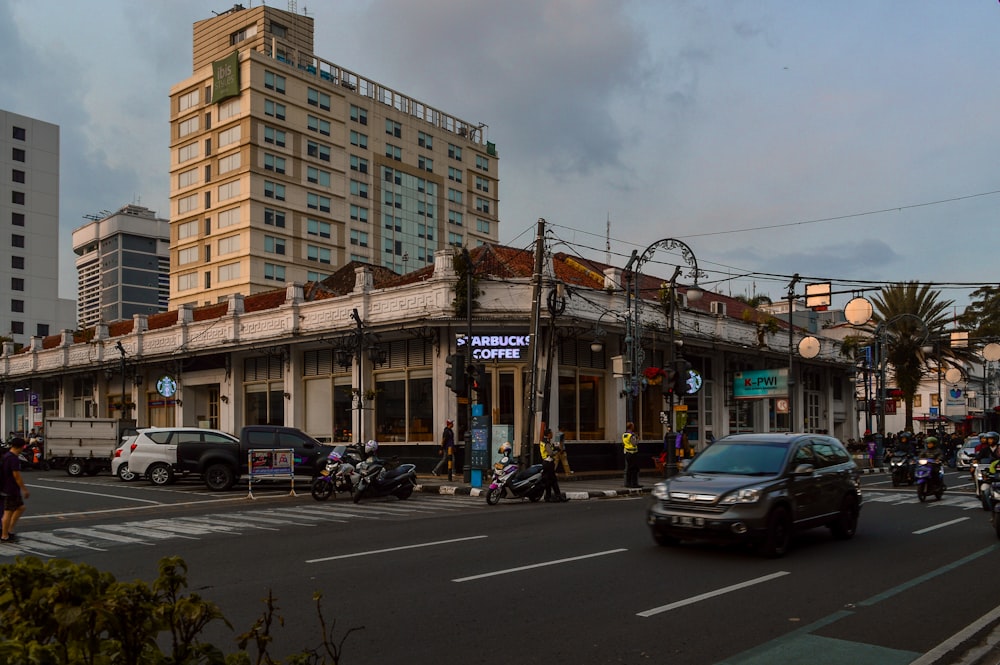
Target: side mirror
{"points": [[685, 463]]}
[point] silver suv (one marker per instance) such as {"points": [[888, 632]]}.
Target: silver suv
{"points": [[759, 488]]}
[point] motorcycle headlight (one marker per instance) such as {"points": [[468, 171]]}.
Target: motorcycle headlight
{"points": [[661, 491], [745, 495], [921, 461]]}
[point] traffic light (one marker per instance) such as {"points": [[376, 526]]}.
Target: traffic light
{"points": [[456, 374], [669, 380], [683, 372], [481, 383]]}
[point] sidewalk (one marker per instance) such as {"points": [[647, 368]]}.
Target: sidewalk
{"points": [[578, 486]]}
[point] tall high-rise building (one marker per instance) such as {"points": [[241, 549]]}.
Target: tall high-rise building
{"points": [[29, 221], [284, 166], [122, 265]]}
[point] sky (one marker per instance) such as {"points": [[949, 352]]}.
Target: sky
{"points": [[853, 142]]}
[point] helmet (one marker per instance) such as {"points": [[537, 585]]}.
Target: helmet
{"points": [[505, 448], [906, 435], [983, 435], [931, 441], [992, 437], [371, 447]]}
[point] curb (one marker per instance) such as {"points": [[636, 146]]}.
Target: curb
{"points": [[573, 495]]}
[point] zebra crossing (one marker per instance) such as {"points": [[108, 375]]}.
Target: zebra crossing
{"points": [[60, 541], [964, 501]]}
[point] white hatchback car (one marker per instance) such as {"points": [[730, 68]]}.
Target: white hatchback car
{"points": [[154, 452], [967, 453], [119, 461]]}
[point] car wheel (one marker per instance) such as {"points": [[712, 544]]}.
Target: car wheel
{"points": [[664, 540], [778, 536], [219, 477], [74, 468], [124, 473], [160, 474], [846, 524]]}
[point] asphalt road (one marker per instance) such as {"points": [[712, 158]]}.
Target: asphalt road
{"points": [[442, 579]]}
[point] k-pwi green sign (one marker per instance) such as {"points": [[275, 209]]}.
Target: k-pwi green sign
{"points": [[759, 383], [226, 78]]}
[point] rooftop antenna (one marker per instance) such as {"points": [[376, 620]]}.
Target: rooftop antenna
{"points": [[292, 6]]}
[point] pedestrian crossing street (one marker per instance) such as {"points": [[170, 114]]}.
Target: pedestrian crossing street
{"points": [[62, 541]]}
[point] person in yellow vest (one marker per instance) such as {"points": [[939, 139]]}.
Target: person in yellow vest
{"points": [[631, 445], [547, 454]]}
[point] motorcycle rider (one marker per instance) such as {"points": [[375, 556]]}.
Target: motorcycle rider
{"points": [[989, 451], [931, 449], [906, 444]]}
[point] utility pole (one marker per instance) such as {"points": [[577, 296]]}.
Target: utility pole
{"points": [[791, 353], [528, 448]]}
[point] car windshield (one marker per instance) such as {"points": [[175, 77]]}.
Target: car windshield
{"points": [[747, 459]]}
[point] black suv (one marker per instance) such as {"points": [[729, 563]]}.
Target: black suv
{"points": [[759, 488]]}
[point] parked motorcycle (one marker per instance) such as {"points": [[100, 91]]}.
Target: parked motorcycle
{"points": [[337, 473], [929, 478], [374, 478], [509, 481], [902, 464]]}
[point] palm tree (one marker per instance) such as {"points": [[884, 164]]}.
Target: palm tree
{"points": [[903, 311]]}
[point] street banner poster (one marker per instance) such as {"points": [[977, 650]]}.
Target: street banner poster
{"points": [[272, 463], [956, 397]]}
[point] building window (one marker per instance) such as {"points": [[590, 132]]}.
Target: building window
{"points": [[229, 136], [482, 163], [16, 240], [359, 238], [42, 330], [187, 101], [317, 202], [187, 255], [187, 281], [241, 35], [320, 99], [273, 190], [359, 189], [359, 164], [425, 140], [274, 272], [321, 254], [230, 109], [482, 225], [274, 136], [359, 115], [274, 163], [187, 230], [425, 164], [454, 152], [187, 204], [17, 262], [454, 217], [318, 176], [187, 152], [358, 139], [273, 245], [187, 178], [229, 245], [393, 128], [274, 218], [482, 205], [274, 82], [278, 30], [393, 152], [17, 197], [317, 125], [455, 240], [318, 228], [188, 126], [229, 190], [318, 150], [227, 272], [359, 214], [17, 175], [17, 327], [482, 184], [455, 196], [274, 109], [17, 284], [17, 306], [20, 134], [454, 174], [17, 154], [17, 218]]}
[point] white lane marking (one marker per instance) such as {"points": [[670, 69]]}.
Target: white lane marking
{"points": [[31, 516], [539, 565], [100, 494], [395, 549], [939, 526], [95, 532], [712, 594], [47, 541], [936, 654]]}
